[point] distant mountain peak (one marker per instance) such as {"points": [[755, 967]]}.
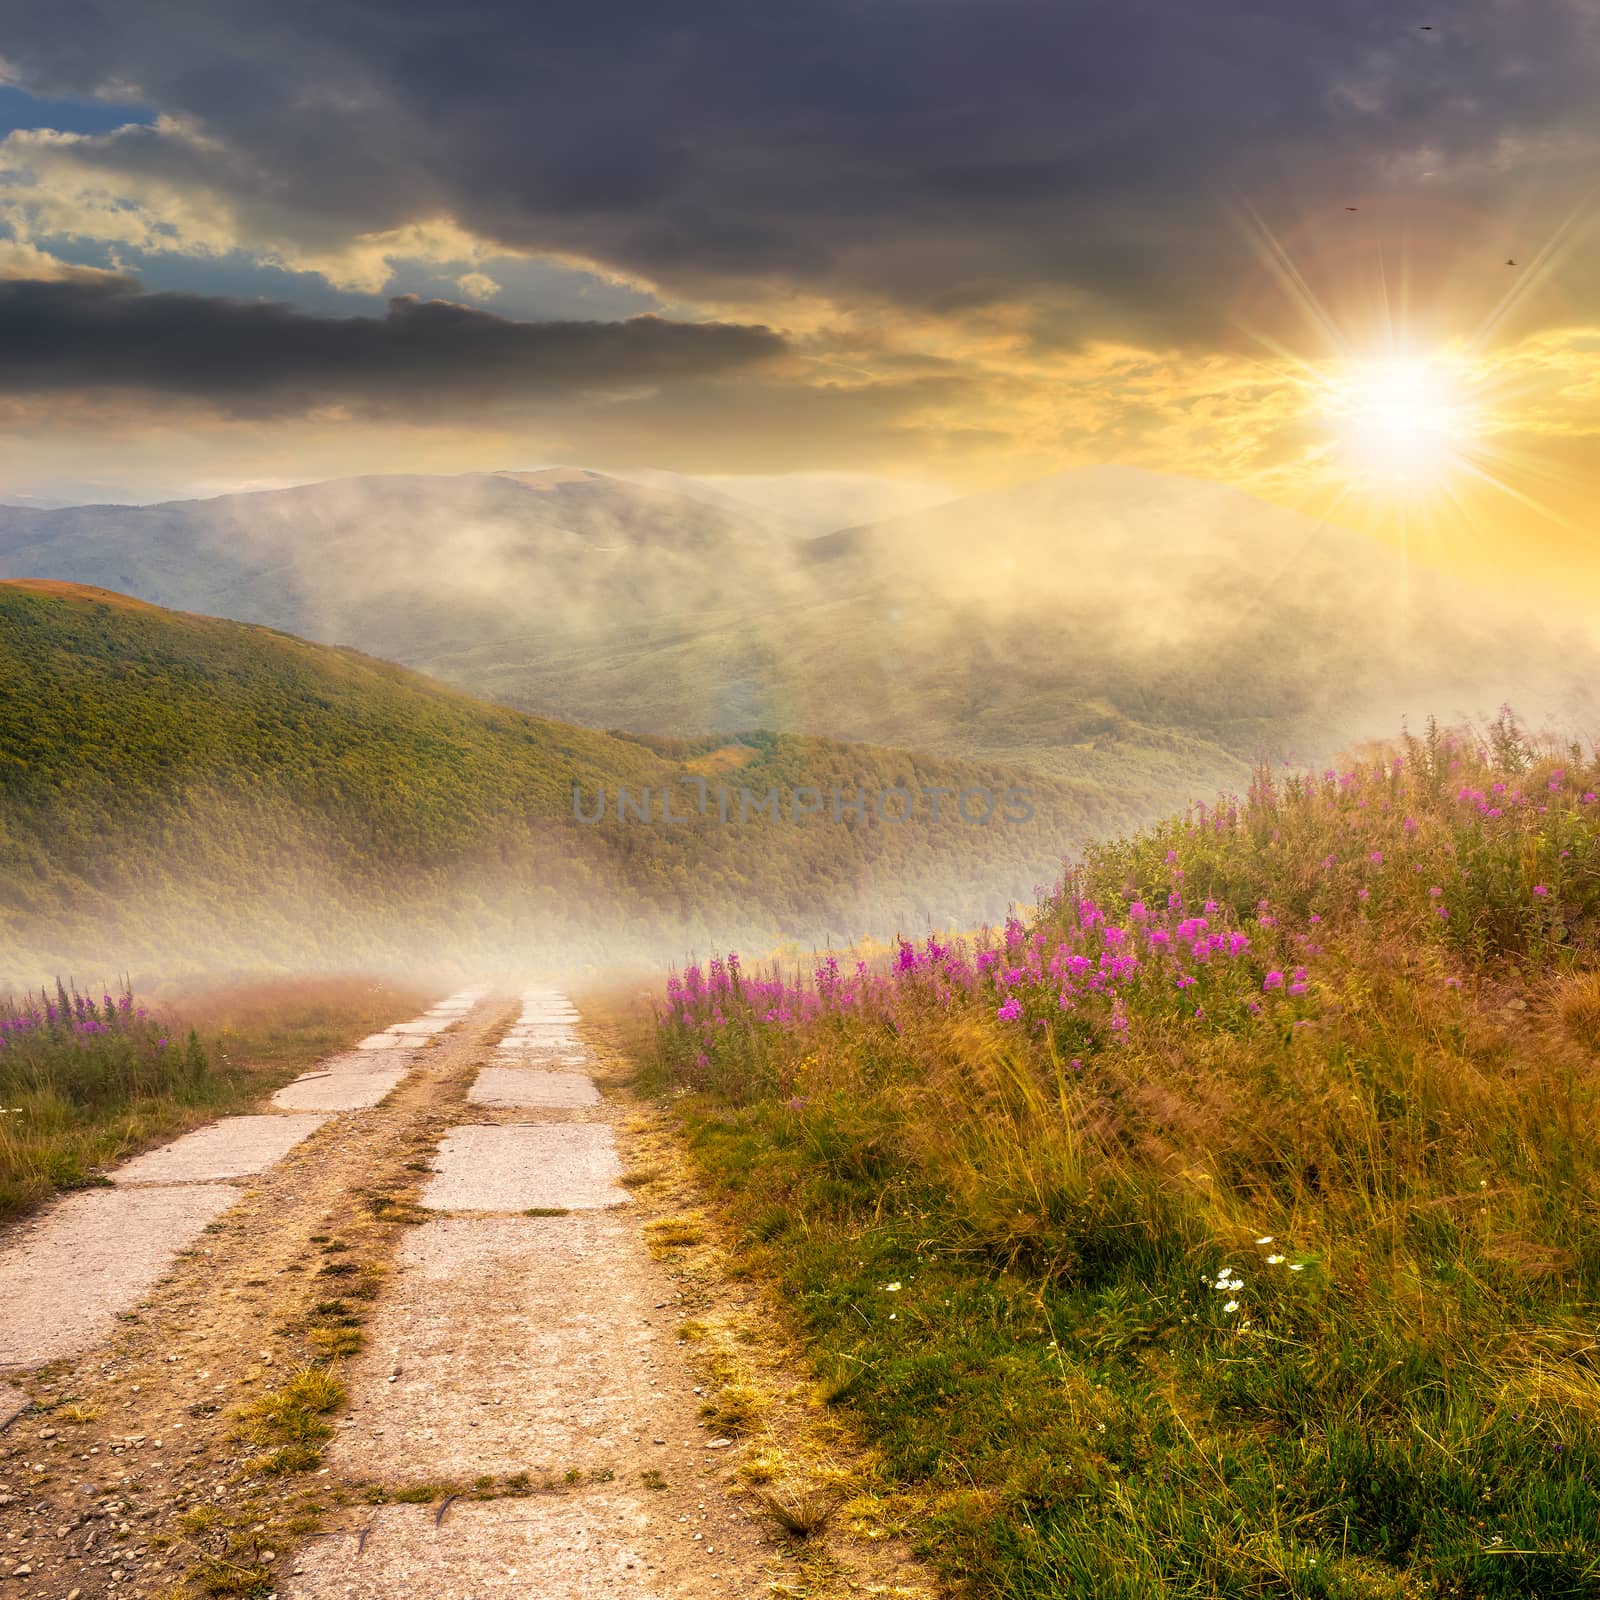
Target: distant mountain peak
{"points": [[545, 479]]}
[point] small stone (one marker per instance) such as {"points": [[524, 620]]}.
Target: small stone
{"points": [[22, 1571], [47, 1433], [718, 1444]]}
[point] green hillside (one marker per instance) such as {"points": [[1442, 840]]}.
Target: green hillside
{"points": [[180, 789]]}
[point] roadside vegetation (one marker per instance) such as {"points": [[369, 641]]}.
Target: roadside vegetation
{"points": [[88, 1080], [1232, 1225]]}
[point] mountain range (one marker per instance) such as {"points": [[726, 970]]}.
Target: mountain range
{"points": [[1148, 635]]}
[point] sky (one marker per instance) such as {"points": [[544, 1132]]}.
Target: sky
{"points": [[1342, 255]]}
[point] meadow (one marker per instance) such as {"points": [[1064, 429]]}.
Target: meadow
{"points": [[1229, 1226], [87, 1080]]}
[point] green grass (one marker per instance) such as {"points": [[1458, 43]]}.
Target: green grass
{"points": [[289, 1422], [1048, 1295]]}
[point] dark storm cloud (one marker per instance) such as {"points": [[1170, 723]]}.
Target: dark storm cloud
{"points": [[258, 358], [938, 153]]}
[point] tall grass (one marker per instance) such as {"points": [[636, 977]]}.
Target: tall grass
{"points": [[1232, 1227], [86, 1081], [89, 1052], [72, 1066]]}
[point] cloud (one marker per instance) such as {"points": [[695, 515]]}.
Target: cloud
{"points": [[479, 285], [88, 332], [953, 159], [1002, 237], [19, 260]]}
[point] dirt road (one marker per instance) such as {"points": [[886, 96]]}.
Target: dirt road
{"points": [[412, 1339]]}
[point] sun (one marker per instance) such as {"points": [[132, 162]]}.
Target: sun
{"points": [[1402, 427], [1406, 405]]}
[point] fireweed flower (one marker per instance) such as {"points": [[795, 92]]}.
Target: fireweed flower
{"points": [[1082, 961]]}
